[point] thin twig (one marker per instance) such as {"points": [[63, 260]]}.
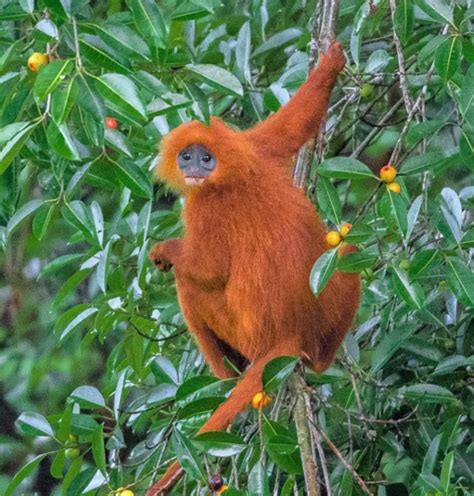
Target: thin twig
{"points": [[341, 458]]}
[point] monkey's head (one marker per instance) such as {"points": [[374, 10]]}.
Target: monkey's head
{"points": [[194, 156]]}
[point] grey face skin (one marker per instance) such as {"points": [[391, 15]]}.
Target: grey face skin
{"points": [[197, 163]]}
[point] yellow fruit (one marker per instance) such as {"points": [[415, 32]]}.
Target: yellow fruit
{"points": [[388, 173], [333, 238], [124, 492], [261, 400], [345, 229], [394, 187], [37, 60], [366, 90], [223, 489], [72, 453]]}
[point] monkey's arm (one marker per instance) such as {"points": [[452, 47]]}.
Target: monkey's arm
{"points": [[283, 133]]}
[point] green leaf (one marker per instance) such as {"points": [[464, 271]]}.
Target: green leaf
{"points": [[47, 30], [448, 57], [322, 270], [328, 200], [131, 176], [422, 262], [461, 281], [389, 345], [34, 424], [98, 449], [23, 473], [278, 40], [149, 21], [90, 100], [187, 456], [218, 78], [242, 52], [434, 161], [356, 262], [63, 101], [277, 371], [73, 318], [124, 39], [102, 55], [345, 168], [116, 140], [429, 460], [427, 393], [258, 484], [404, 19], [446, 470], [394, 210], [59, 263], [122, 91], [438, 10], [42, 220], [200, 407], [61, 141], [88, 397], [219, 444], [14, 145], [60, 7], [22, 214], [410, 293], [49, 77], [103, 267]]}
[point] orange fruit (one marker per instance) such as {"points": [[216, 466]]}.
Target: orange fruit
{"points": [[394, 187], [388, 173], [261, 400], [37, 60], [333, 238], [345, 229]]}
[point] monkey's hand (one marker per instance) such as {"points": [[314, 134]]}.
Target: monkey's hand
{"points": [[164, 255], [333, 61]]}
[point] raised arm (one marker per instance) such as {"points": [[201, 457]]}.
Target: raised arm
{"points": [[283, 133]]}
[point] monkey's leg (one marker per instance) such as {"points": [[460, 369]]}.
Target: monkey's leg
{"points": [[225, 413]]}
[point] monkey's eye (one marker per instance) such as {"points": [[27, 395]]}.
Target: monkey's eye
{"points": [[206, 158], [186, 156]]}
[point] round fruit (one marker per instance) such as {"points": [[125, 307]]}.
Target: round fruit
{"points": [[223, 489], [72, 453], [394, 187], [216, 482], [404, 264], [73, 438], [388, 173], [124, 492], [345, 229], [37, 60], [261, 400], [333, 238], [366, 90], [111, 123]]}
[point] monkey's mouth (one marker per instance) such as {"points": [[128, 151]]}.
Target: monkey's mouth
{"points": [[193, 180]]}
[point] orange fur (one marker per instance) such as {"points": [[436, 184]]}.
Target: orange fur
{"points": [[242, 268]]}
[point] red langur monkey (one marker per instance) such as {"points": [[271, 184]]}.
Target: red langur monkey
{"points": [[251, 239]]}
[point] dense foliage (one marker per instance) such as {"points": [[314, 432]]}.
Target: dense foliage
{"points": [[100, 385]]}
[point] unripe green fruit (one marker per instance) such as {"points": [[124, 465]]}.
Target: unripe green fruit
{"points": [[404, 264], [72, 453], [366, 90]]}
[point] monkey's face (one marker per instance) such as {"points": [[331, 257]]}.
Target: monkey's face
{"points": [[196, 163], [195, 158]]}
